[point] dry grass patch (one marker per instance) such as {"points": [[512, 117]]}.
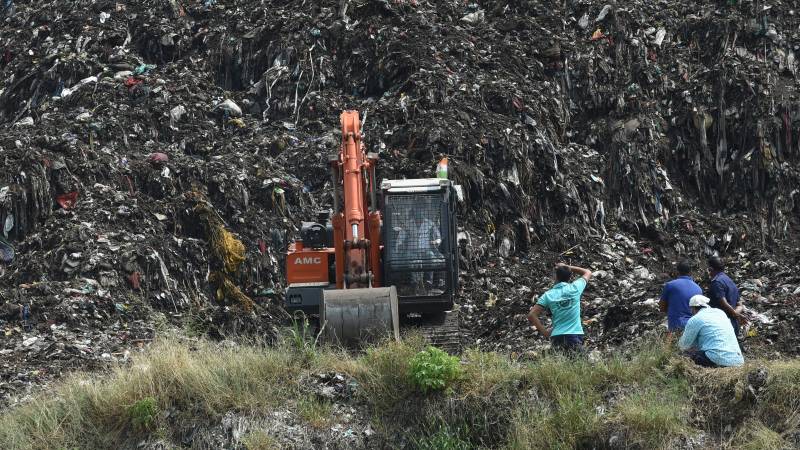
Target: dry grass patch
{"points": [[259, 440], [101, 412], [316, 412], [646, 398]]}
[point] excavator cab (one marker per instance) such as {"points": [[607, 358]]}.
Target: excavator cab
{"points": [[420, 253]]}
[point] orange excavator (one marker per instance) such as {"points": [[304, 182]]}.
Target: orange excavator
{"points": [[382, 253]]}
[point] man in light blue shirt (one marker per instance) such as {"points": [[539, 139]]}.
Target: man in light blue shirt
{"points": [[708, 337], [564, 302]]}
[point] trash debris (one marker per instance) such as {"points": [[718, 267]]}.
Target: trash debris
{"points": [[26, 122], [176, 113], [6, 251], [158, 158], [230, 107], [475, 17], [143, 69], [598, 34], [68, 200], [603, 13]]}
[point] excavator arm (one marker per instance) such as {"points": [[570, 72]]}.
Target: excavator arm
{"points": [[358, 306], [357, 224]]}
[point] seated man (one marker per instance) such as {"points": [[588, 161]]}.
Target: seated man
{"points": [[420, 244], [708, 337]]}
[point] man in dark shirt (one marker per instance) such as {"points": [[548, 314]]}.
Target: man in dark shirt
{"points": [[675, 297], [724, 294]]}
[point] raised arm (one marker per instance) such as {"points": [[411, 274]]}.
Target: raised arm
{"points": [[586, 274]]}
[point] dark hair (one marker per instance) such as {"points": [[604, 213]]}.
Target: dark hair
{"points": [[563, 274], [715, 262], [684, 267]]}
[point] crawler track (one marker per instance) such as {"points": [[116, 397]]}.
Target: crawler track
{"points": [[442, 331]]}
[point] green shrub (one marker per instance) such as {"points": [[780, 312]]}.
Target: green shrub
{"points": [[434, 370], [302, 340], [143, 413]]}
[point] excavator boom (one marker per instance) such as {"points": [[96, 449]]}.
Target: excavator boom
{"points": [[359, 306]]}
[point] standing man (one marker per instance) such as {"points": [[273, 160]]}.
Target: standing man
{"points": [[564, 302], [724, 294], [707, 338], [675, 297]]}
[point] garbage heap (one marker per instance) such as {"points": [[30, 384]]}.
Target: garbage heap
{"points": [[146, 145]]}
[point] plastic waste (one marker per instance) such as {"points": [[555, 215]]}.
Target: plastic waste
{"points": [[25, 316], [230, 107], [68, 200], [143, 69], [6, 251], [8, 225], [158, 158], [475, 17]]}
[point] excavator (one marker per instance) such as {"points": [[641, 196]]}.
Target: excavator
{"points": [[385, 252]]}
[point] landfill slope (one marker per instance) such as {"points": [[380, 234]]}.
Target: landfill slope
{"points": [[157, 156]]}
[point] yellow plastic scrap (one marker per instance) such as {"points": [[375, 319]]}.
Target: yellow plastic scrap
{"points": [[224, 245], [229, 249], [226, 289], [237, 122], [226, 251]]}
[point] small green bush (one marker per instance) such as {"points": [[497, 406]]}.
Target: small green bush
{"points": [[143, 413], [434, 370]]}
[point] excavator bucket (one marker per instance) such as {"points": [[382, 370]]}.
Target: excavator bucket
{"points": [[350, 316]]}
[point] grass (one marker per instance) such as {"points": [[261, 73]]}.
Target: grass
{"points": [[754, 435], [443, 438], [651, 418], [317, 413], [191, 378], [259, 440], [646, 398]]}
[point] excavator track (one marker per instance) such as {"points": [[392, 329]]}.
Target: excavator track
{"points": [[441, 330]]}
